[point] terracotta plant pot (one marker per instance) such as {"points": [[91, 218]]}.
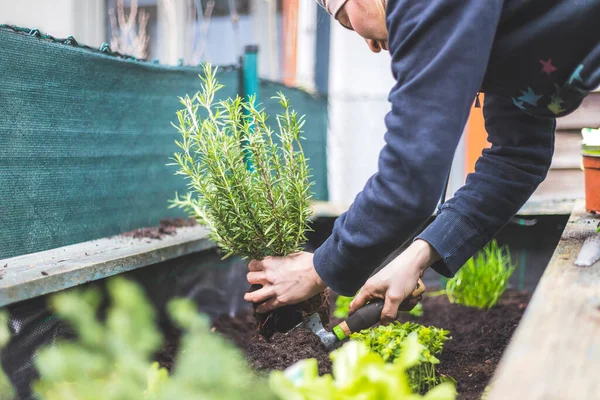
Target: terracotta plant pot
{"points": [[591, 166]]}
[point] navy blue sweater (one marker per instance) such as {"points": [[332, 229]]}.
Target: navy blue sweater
{"points": [[535, 60]]}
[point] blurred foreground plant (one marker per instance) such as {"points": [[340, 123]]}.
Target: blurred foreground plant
{"points": [[358, 373], [6, 390], [342, 305], [483, 279], [112, 360], [389, 342], [249, 185]]}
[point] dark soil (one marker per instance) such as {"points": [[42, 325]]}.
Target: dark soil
{"points": [[241, 330], [479, 338], [286, 318], [166, 227], [166, 356], [284, 349]]}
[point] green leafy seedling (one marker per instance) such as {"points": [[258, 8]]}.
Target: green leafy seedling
{"points": [[483, 279], [388, 342]]}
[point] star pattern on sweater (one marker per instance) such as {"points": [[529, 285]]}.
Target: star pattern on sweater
{"points": [[530, 97], [547, 67], [519, 104], [576, 76], [556, 101], [555, 107]]}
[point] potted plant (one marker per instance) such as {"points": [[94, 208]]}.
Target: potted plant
{"points": [[247, 184], [590, 147]]}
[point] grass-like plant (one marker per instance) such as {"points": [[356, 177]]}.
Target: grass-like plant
{"points": [[112, 360], [388, 342], [483, 279], [247, 184]]}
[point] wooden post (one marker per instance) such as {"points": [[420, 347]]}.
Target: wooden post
{"points": [[290, 41], [250, 84]]}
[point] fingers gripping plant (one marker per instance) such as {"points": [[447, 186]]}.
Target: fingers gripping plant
{"points": [[247, 184]]}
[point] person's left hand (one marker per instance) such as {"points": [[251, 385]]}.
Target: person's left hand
{"points": [[284, 280], [397, 280]]}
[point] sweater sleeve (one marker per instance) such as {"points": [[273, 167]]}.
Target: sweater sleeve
{"points": [[505, 177], [440, 50]]}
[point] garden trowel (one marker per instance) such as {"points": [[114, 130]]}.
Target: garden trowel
{"points": [[363, 318]]}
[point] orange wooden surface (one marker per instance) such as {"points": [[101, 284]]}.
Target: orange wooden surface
{"points": [[476, 137], [290, 40]]}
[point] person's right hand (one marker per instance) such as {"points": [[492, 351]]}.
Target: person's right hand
{"points": [[396, 281]]}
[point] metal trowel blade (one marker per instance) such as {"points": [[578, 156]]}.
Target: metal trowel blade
{"points": [[314, 324]]}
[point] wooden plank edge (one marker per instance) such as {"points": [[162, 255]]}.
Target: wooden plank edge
{"points": [[36, 274], [324, 209], [550, 356]]}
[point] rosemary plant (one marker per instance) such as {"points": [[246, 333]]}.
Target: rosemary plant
{"points": [[247, 184]]}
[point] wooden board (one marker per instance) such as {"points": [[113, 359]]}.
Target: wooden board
{"points": [[547, 207], [555, 351], [561, 184], [586, 116], [36, 274], [567, 150], [535, 206]]}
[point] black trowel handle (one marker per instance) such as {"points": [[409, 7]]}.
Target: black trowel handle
{"points": [[368, 315]]}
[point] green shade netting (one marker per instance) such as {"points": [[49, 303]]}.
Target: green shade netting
{"points": [[85, 136]]}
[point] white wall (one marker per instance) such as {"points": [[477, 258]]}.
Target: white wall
{"points": [[306, 51], [359, 84], [82, 19]]}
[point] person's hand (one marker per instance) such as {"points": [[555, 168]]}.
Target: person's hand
{"points": [[397, 280], [284, 280]]}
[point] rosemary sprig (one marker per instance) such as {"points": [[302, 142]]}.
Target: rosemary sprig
{"points": [[251, 212]]}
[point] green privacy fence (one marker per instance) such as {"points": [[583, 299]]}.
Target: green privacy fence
{"points": [[85, 135]]}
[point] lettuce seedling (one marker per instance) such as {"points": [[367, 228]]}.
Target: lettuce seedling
{"points": [[388, 342], [483, 279], [247, 184], [358, 373]]}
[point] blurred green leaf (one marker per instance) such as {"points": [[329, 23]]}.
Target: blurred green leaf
{"points": [[113, 360]]}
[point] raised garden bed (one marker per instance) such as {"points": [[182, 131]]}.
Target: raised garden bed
{"points": [[479, 338]]}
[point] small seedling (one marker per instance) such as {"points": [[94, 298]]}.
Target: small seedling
{"points": [[483, 279], [388, 342]]}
